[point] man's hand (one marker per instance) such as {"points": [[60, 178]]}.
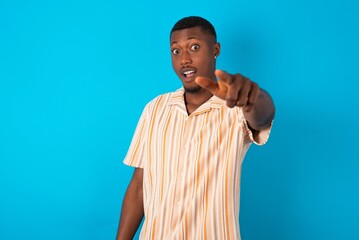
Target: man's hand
{"points": [[236, 89]]}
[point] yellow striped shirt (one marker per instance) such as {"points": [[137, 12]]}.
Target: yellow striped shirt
{"points": [[192, 167]]}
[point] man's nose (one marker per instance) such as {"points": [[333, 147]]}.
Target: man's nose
{"points": [[185, 58]]}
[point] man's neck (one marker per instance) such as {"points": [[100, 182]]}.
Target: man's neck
{"points": [[195, 100]]}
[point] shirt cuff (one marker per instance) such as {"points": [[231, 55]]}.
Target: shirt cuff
{"points": [[259, 137]]}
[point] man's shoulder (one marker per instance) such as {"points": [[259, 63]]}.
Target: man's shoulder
{"points": [[165, 98]]}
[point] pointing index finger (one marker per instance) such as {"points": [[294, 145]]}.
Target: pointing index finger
{"points": [[207, 83]]}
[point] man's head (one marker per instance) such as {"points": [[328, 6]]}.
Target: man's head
{"points": [[194, 50]]}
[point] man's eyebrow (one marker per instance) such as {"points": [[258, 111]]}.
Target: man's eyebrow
{"points": [[187, 39]]}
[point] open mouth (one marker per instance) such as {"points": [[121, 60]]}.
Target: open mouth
{"points": [[189, 73]]}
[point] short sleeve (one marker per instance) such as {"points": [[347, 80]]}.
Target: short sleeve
{"points": [[135, 155], [260, 137]]}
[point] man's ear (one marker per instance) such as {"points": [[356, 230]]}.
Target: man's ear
{"points": [[217, 49]]}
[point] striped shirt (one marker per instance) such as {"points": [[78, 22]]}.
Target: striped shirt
{"points": [[191, 167]]}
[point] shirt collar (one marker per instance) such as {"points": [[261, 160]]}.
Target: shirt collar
{"points": [[177, 99]]}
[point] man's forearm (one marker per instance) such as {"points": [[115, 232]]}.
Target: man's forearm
{"points": [[132, 209], [262, 113], [131, 217]]}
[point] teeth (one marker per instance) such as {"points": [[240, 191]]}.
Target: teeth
{"points": [[188, 72]]}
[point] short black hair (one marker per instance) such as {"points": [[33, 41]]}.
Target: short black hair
{"points": [[195, 21]]}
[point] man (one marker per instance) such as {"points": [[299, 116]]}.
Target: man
{"points": [[189, 145]]}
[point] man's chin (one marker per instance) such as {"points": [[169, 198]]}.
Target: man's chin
{"points": [[194, 89]]}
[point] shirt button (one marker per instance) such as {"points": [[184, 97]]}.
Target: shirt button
{"points": [[182, 174], [178, 203]]}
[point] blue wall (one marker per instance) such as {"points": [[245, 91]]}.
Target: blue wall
{"points": [[75, 75]]}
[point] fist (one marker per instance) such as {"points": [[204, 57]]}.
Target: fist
{"points": [[236, 89]]}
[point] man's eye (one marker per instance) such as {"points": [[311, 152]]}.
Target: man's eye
{"points": [[195, 47], [175, 51]]}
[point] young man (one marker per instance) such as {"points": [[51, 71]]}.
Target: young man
{"points": [[189, 145]]}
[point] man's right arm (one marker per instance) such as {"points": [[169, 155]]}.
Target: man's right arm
{"points": [[132, 207]]}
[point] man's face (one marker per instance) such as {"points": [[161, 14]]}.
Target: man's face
{"points": [[193, 54]]}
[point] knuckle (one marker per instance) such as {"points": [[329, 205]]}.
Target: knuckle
{"points": [[240, 76], [255, 86], [231, 99], [241, 102], [254, 96], [230, 104], [250, 102], [232, 79]]}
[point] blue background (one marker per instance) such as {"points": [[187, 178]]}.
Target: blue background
{"points": [[75, 76]]}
